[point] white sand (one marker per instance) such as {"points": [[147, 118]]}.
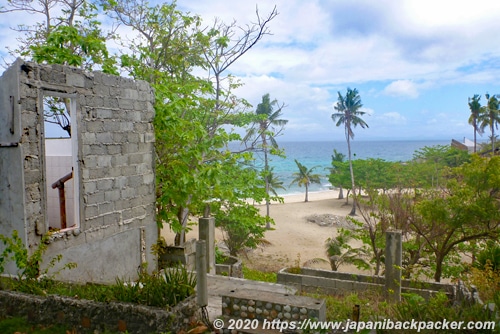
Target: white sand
{"points": [[293, 239]]}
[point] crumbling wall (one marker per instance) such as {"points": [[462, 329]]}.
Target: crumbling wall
{"points": [[115, 172], [87, 316]]}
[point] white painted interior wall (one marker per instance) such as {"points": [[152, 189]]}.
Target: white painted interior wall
{"points": [[59, 163]]}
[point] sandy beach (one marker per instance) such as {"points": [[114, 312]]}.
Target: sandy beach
{"points": [[294, 238]]}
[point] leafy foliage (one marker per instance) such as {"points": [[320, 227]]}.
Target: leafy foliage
{"points": [[32, 276], [158, 289], [340, 251], [242, 227], [194, 117]]}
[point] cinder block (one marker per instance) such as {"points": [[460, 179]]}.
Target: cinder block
{"points": [[95, 198], [104, 137], [113, 149], [129, 93], [75, 79], [112, 195], [104, 113], [105, 184], [126, 104], [112, 218], [91, 211], [103, 161]]}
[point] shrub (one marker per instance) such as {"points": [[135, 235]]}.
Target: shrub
{"points": [[158, 289]]}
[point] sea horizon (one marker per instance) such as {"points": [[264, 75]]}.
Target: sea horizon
{"points": [[318, 154]]}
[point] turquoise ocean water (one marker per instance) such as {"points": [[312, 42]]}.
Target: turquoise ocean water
{"points": [[319, 154]]}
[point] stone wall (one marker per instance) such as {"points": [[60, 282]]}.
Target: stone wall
{"points": [[114, 176], [267, 306], [92, 317]]}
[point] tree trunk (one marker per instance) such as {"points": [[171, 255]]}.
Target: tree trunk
{"points": [[492, 139], [353, 210], [439, 269], [266, 168], [341, 193], [333, 264], [307, 194], [475, 133]]}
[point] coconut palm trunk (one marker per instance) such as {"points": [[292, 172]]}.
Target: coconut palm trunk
{"points": [[354, 202], [266, 170], [475, 110], [265, 130]]}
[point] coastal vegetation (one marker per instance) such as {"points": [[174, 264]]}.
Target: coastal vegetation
{"points": [[444, 201]]}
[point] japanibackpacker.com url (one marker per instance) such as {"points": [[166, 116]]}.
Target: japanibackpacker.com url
{"points": [[386, 324]]}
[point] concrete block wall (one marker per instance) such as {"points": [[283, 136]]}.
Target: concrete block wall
{"points": [[332, 282], [115, 172]]}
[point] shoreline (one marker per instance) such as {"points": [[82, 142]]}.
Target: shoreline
{"points": [[317, 195]]}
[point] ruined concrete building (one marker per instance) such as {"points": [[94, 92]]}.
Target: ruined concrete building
{"points": [[93, 190]]}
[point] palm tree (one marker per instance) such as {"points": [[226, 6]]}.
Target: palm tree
{"points": [[349, 114], [305, 177], [340, 252], [274, 182], [490, 117], [475, 113], [337, 157], [268, 126]]}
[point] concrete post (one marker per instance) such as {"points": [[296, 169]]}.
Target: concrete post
{"points": [[201, 274], [207, 233], [393, 258]]}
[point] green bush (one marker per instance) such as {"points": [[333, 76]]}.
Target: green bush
{"points": [[31, 277], [158, 289]]}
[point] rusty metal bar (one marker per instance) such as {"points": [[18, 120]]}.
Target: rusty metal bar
{"points": [[13, 114], [9, 144], [59, 184]]}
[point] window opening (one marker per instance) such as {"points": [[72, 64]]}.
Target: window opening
{"points": [[61, 161]]}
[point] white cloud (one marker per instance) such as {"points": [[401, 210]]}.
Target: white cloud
{"points": [[393, 118], [404, 88], [418, 49]]}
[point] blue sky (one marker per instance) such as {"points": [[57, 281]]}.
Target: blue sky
{"points": [[414, 62]]}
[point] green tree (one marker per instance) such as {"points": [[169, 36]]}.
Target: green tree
{"points": [[490, 117], [337, 159], [305, 177], [194, 115], [349, 115], [375, 174], [430, 163], [68, 34], [340, 176], [475, 113], [262, 135], [467, 209]]}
